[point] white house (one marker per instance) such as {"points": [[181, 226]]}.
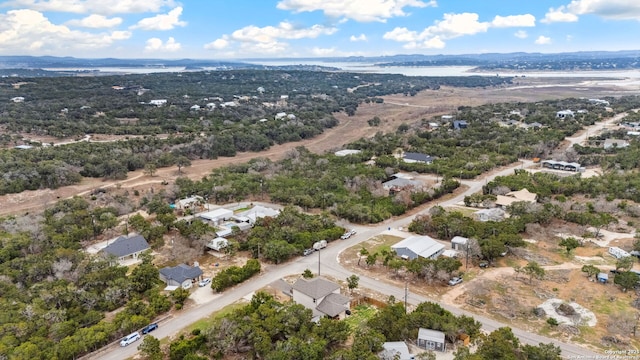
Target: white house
{"points": [[418, 246], [346, 152], [618, 253], [189, 202], [257, 212], [431, 340], [395, 350], [615, 144], [563, 114], [218, 244], [195, 108], [217, 216], [459, 243], [17, 99], [280, 115], [158, 102], [322, 297], [493, 214]]}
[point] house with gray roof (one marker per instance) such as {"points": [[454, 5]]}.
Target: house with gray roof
{"points": [[413, 157], [418, 246], [431, 340], [127, 247], [322, 297], [182, 275], [395, 350]]}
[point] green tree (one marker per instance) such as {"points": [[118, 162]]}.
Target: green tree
{"points": [[542, 352], [352, 282], [569, 244], [180, 295], [625, 263], [590, 270], [533, 269], [499, 344], [363, 252], [307, 274], [150, 348], [182, 161], [150, 169], [146, 275], [626, 280]]}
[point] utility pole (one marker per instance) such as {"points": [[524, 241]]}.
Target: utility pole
{"points": [[406, 293], [466, 266]]}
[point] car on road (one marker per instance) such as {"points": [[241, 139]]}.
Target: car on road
{"points": [[308, 252], [204, 282], [352, 232], [346, 235], [455, 281], [484, 264], [149, 328], [133, 337]]}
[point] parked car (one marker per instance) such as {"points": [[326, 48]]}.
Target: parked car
{"points": [[308, 252], [346, 235], [484, 264], [149, 328], [353, 232], [455, 281], [133, 337], [204, 282]]}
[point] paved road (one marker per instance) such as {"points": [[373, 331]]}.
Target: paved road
{"points": [[329, 265]]}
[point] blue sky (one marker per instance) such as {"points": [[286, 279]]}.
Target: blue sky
{"points": [[242, 29]]}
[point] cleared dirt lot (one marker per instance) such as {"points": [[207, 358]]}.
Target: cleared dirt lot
{"points": [[396, 110]]}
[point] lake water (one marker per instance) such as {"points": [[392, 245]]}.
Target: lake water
{"points": [[363, 67]]}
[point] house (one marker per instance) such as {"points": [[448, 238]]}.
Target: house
{"points": [[397, 184], [460, 124], [322, 297], [189, 202], [182, 275], [23, 147], [418, 246], [431, 340], [615, 144], [127, 247], [447, 117], [216, 216], [412, 157], [17, 99], [493, 214], [459, 243], [434, 125], [516, 196], [346, 152], [158, 102], [280, 115], [195, 108], [563, 114], [599, 102], [562, 165], [218, 244], [256, 213], [395, 350]]}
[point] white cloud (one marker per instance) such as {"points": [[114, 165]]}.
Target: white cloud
{"points": [[162, 21], [455, 25], [361, 37], [542, 40], [102, 7], [96, 21], [358, 10], [284, 30], [217, 44], [526, 20], [559, 15], [521, 34], [323, 51], [156, 45], [30, 30], [610, 9]]}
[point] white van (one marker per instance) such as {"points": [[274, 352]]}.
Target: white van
{"points": [[134, 336]]}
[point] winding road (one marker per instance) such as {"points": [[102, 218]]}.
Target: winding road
{"points": [[330, 265]]}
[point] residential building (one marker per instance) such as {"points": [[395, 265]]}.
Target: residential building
{"points": [[17, 99], [459, 243], [216, 216], [255, 213], [418, 246], [127, 247], [563, 114], [493, 214], [562, 165], [460, 124], [516, 196], [615, 144], [431, 340], [218, 244], [322, 297], [158, 102], [190, 202], [182, 275], [395, 350], [346, 152], [412, 157]]}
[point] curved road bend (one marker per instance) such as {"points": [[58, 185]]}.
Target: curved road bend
{"points": [[329, 265]]}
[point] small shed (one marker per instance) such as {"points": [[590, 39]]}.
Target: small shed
{"points": [[431, 340], [459, 243], [603, 277]]}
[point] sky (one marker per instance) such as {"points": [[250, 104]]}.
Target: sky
{"points": [[249, 29]]}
